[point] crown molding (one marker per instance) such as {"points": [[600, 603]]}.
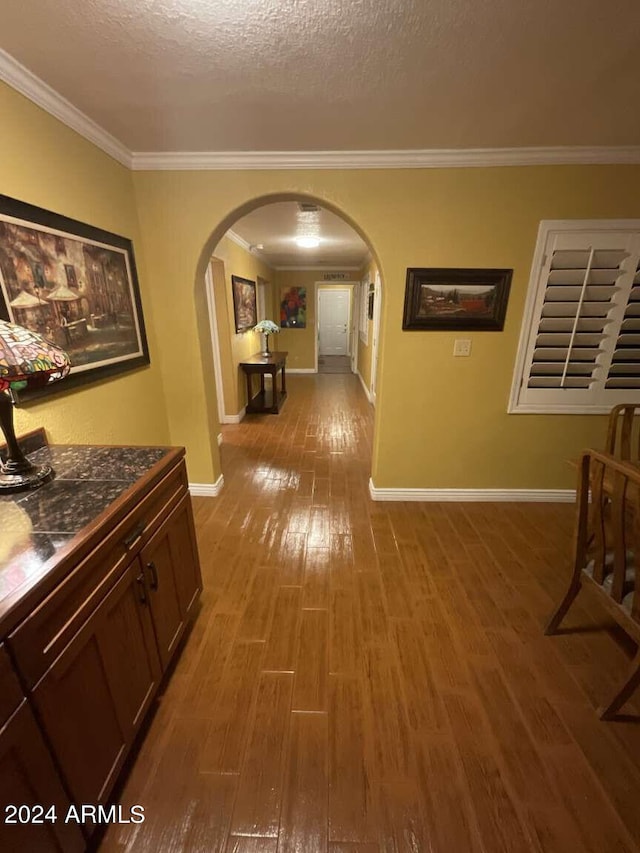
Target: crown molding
{"points": [[35, 89], [238, 240], [316, 268], [32, 87], [418, 159]]}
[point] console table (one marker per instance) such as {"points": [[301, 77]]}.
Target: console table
{"points": [[273, 363]]}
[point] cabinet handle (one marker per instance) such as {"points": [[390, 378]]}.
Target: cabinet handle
{"points": [[142, 594], [130, 540], [154, 575]]}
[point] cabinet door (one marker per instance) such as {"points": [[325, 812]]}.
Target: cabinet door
{"points": [[170, 561], [92, 700], [28, 777]]}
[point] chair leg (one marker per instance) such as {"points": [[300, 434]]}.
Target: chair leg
{"points": [[625, 692], [574, 588]]}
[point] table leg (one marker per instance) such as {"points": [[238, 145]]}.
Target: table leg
{"points": [[249, 394], [274, 391], [284, 381]]}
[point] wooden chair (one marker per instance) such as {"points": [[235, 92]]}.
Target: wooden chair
{"points": [[623, 432], [607, 551]]}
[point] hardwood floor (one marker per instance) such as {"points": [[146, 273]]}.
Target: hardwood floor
{"points": [[373, 677], [334, 364]]}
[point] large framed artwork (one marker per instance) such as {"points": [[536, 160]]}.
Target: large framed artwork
{"points": [[456, 299], [245, 307], [293, 308], [77, 286]]}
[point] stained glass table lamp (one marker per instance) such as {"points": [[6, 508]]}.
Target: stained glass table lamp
{"points": [[27, 360]]}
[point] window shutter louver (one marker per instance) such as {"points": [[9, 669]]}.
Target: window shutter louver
{"points": [[580, 342], [624, 371]]}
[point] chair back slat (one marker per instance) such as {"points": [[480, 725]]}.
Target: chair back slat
{"points": [[613, 521], [621, 515], [598, 519], [623, 432]]}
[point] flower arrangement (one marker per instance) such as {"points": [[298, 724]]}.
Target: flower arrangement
{"points": [[266, 327]]}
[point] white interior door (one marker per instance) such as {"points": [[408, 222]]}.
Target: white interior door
{"points": [[333, 321]]}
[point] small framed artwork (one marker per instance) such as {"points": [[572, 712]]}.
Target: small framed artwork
{"points": [[456, 299], [245, 307], [293, 308], [77, 286]]}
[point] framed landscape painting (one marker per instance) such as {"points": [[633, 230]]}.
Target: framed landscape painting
{"points": [[77, 286], [456, 299], [245, 307]]}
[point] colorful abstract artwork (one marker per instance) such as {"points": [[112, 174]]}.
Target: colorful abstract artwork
{"points": [[293, 308]]}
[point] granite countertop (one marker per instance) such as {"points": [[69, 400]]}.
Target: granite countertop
{"points": [[36, 525]]}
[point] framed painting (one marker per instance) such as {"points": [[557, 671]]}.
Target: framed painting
{"points": [[77, 286], [293, 308], [456, 299], [245, 307]]}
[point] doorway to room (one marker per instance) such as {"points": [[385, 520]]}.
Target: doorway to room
{"points": [[334, 312]]}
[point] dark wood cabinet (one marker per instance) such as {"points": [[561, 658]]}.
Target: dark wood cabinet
{"points": [[29, 778], [90, 655], [92, 700], [29, 783], [171, 568]]}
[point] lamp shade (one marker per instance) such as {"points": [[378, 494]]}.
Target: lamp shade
{"points": [[28, 359]]}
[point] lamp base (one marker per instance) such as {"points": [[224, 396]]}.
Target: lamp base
{"points": [[24, 481]]}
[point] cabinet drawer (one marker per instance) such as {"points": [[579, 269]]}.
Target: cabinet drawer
{"points": [[38, 640], [11, 694]]}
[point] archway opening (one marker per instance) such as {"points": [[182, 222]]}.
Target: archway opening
{"points": [[288, 285]]}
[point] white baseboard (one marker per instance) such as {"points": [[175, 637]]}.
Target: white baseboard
{"points": [[300, 370], [207, 490], [365, 389], [234, 419], [474, 495]]}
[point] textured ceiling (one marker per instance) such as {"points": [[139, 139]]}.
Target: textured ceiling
{"points": [[300, 75], [276, 226]]}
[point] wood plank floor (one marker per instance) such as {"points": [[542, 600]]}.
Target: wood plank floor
{"points": [[372, 677]]}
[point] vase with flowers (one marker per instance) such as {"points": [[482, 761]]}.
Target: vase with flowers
{"points": [[266, 327]]}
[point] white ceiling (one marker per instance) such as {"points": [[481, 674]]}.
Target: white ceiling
{"points": [[276, 226], [339, 75]]}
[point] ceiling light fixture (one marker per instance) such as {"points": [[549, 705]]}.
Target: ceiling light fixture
{"points": [[307, 242]]}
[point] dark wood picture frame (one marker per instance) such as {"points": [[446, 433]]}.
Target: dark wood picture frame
{"points": [[245, 305], [455, 299], [75, 284]]}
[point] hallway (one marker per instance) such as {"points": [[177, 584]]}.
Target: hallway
{"points": [[369, 677]]}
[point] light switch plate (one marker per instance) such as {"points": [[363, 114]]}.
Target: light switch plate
{"points": [[462, 347]]}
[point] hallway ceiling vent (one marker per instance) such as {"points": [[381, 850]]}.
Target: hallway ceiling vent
{"points": [[308, 207]]}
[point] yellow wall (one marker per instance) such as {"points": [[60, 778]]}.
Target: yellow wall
{"points": [[440, 422], [46, 164], [365, 350], [237, 347]]}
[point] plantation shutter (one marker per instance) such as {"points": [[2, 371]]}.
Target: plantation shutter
{"points": [[624, 371], [580, 342]]}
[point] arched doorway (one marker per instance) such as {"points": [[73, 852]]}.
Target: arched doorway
{"points": [[365, 281]]}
